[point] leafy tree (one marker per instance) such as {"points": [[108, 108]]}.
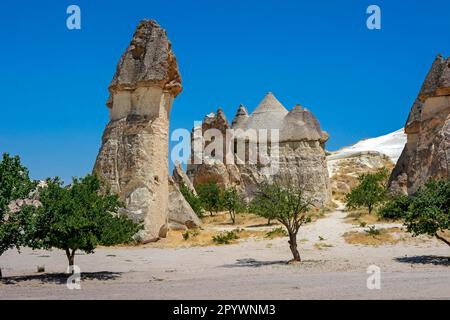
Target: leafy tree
{"points": [[210, 196], [233, 202], [193, 200], [14, 184], [429, 210], [78, 217], [286, 203], [370, 191]]}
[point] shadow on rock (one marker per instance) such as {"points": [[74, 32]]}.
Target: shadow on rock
{"points": [[60, 278], [435, 260]]}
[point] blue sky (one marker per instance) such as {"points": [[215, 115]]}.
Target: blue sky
{"points": [[359, 83]]}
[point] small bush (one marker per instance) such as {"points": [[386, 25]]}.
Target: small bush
{"points": [[277, 232], [373, 231], [226, 237]]}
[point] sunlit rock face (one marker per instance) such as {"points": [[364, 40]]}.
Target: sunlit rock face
{"points": [[300, 148], [133, 157], [427, 151]]}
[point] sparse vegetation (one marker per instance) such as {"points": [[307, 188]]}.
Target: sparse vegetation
{"points": [[286, 203], [226, 237], [372, 230], [279, 232], [193, 200]]}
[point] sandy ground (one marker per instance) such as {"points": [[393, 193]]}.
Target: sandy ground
{"points": [[251, 269]]}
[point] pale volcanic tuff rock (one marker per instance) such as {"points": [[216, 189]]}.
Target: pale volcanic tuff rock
{"points": [[301, 151], [427, 151], [181, 215], [133, 157]]}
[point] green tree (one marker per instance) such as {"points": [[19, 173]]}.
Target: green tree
{"points": [[370, 191], [429, 210], [395, 207], [287, 204], [233, 202], [78, 217], [210, 196], [14, 184], [193, 200]]}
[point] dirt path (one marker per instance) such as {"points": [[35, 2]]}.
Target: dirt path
{"points": [[252, 269]]}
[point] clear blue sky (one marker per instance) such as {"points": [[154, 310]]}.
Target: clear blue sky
{"points": [[359, 83]]}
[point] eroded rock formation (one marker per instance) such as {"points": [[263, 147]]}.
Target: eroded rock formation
{"points": [[300, 147], [427, 152], [133, 157]]}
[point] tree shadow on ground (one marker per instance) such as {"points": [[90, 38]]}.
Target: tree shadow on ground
{"points": [[60, 278], [252, 263], [434, 260], [262, 225]]}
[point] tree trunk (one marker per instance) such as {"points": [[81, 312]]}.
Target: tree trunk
{"points": [[233, 217], [1, 273], [71, 258], [437, 236], [370, 209], [269, 221], [293, 246]]}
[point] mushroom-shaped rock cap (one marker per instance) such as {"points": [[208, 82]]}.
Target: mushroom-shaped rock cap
{"points": [[301, 124], [148, 60], [268, 115], [240, 118]]}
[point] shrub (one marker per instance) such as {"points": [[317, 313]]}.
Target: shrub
{"points": [[226, 237], [277, 232], [193, 200], [395, 207]]}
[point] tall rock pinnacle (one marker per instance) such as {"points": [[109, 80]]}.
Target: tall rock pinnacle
{"points": [[427, 152], [133, 157]]}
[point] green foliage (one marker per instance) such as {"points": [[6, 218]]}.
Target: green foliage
{"points": [[78, 217], [193, 200], [395, 207], [233, 202], [14, 184], [286, 203], [210, 197], [277, 232], [226, 237], [370, 191], [429, 209], [373, 231], [188, 233]]}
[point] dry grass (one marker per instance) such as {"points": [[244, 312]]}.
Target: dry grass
{"points": [[322, 245], [361, 217], [386, 236], [199, 238]]}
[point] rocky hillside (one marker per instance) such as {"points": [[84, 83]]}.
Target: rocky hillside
{"points": [[368, 155]]}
